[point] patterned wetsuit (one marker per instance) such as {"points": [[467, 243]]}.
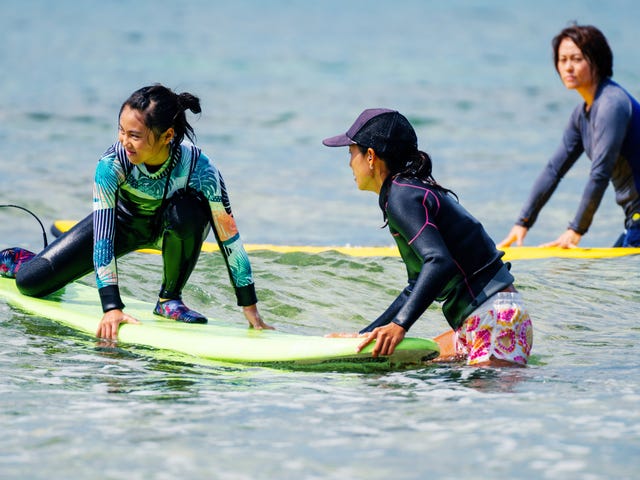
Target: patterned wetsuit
{"points": [[610, 136], [142, 193], [449, 256], [134, 208]]}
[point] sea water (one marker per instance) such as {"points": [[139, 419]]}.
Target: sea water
{"points": [[476, 79]]}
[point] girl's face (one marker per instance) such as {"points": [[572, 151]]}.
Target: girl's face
{"points": [[139, 142], [362, 173], [574, 69]]}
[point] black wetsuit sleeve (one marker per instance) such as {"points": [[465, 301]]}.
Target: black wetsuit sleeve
{"points": [[609, 123], [390, 313], [438, 269], [411, 212], [558, 165], [110, 298]]}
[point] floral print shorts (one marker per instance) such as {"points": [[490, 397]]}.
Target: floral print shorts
{"points": [[499, 328]]}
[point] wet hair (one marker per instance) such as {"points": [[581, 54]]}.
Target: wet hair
{"points": [[412, 163], [161, 109], [594, 47]]}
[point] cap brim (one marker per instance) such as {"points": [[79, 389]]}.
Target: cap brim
{"points": [[338, 141]]}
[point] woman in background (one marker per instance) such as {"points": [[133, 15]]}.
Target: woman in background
{"points": [[606, 126]]}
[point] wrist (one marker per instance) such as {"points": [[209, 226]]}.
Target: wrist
{"points": [[110, 298]]}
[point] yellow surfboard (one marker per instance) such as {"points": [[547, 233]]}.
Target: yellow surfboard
{"points": [[511, 253]]}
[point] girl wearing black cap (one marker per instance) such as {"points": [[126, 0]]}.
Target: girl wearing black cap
{"points": [[150, 190], [448, 255]]}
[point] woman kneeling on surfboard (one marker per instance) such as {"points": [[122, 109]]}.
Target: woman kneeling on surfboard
{"points": [[606, 126], [150, 190], [448, 255]]}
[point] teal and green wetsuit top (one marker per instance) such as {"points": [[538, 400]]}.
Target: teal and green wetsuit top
{"points": [[120, 184]]}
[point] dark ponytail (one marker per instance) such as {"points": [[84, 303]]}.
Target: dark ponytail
{"points": [[411, 163], [162, 109]]}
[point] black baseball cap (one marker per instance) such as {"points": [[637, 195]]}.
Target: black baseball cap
{"points": [[384, 130]]}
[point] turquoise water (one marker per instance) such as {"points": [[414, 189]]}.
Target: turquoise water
{"points": [[275, 78]]}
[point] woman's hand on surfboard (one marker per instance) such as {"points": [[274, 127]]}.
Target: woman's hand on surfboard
{"points": [[386, 338], [569, 239], [517, 234], [108, 326], [255, 320]]}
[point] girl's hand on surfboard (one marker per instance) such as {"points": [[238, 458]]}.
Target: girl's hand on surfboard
{"points": [[517, 234], [386, 338], [108, 326], [255, 320], [569, 239]]}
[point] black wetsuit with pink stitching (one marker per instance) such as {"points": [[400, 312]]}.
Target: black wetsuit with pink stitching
{"points": [[449, 256]]}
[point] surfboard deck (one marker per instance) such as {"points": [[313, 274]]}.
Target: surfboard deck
{"points": [[536, 253], [77, 306], [511, 253]]}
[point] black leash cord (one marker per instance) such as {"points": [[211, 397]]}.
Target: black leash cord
{"points": [[44, 234]]}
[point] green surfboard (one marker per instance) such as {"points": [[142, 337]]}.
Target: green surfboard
{"points": [[77, 306]]}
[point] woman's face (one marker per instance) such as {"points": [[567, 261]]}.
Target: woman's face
{"points": [[574, 69], [361, 168], [139, 142]]}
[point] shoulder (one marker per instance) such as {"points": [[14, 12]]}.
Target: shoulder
{"points": [[190, 150], [612, 99], [401, 185], [111, 153], [191, 153], [112, 161], [204, 164], [406, 194], [611, 89], [204, 171]]}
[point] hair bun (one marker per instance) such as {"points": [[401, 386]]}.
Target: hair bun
{"points": [[190, 102]]}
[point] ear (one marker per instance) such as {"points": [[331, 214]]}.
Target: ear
{"points": [[371, 156], [167, 136]]}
